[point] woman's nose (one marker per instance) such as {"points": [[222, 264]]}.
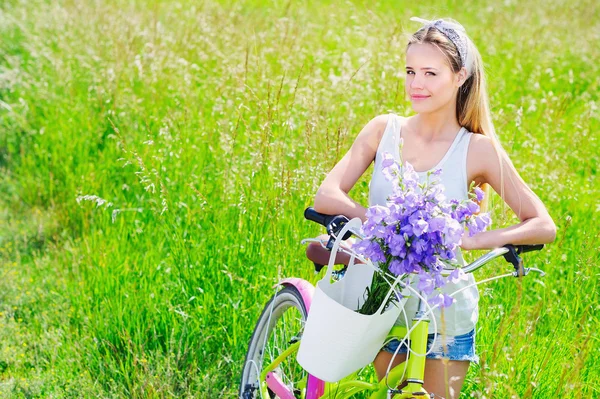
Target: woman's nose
{"points": [[416, 82]]}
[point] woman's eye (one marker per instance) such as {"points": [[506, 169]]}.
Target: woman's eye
{"points": [[413, 72]]}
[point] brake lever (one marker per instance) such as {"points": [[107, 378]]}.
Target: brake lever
{"points": [[526, 271], [334, 225], [512, 256]]}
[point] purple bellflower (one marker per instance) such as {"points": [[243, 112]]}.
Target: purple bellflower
{"points": [[418, 231]]}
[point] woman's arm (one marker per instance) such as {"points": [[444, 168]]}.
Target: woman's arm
{"points": [[536, 226], [332, 196]]}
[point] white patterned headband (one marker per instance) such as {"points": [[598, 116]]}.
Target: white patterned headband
{"points": [[456, 34]]}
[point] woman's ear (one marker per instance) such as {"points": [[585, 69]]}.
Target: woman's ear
{"points": [[461, 77]]}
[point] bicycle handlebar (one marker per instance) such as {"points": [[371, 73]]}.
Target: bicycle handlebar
{"points": [[334, 223], [314, 216]]}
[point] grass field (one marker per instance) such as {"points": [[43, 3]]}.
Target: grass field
{"points": [[156, 157]]}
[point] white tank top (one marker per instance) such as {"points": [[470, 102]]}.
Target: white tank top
{"points": [[461, 317]]}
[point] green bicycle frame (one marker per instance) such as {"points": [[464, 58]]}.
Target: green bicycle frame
{"points": [[263, 375], [415, 370]]}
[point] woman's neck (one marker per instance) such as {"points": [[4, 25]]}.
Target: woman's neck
{"points": [[434, 125]]}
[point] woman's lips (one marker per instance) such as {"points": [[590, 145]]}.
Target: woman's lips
{"points": [[418, 97]]}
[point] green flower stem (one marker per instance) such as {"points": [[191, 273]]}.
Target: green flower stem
{"points": [[376, 293]]}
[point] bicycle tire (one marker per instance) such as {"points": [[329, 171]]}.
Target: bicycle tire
{"points": [[281, 321]]}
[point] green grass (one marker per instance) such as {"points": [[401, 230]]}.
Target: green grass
{"points": [[207, 128]]}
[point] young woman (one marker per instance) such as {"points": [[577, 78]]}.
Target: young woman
{"points": [[451, 129]]}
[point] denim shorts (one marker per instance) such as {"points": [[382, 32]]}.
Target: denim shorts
{"points": [[460, 347]]}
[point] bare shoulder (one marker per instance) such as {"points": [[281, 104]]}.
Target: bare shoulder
{"points": [[357, 159], [377, 125], [480, 158], [372, 132], [481, 145]]}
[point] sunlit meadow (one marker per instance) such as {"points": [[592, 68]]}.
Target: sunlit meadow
{"points": [[156, 157]]}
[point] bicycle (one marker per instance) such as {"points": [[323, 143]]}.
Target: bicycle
{"points": [[278, 332]]}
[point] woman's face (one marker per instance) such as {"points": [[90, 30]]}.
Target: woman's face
{"points": [[430, 83]]}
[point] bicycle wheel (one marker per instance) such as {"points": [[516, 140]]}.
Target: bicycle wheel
{"points": [[280, 325]]}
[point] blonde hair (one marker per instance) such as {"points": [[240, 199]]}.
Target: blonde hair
{"points": [[472, 102]]}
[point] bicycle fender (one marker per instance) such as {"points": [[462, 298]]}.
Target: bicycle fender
{"points": [[315, 387], [305, 288]]}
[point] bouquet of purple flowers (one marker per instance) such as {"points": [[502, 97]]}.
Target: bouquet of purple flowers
{"points": [[419, 231]]}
